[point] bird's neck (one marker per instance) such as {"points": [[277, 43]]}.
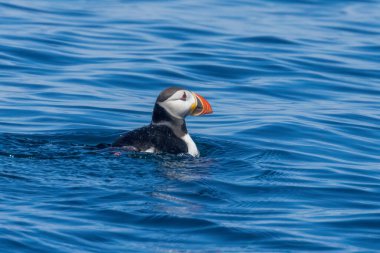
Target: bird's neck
{"points": [[162, 117]]}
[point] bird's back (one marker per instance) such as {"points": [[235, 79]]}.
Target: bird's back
{"points": [[157, 137]]}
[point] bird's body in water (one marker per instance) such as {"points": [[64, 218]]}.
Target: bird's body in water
{"points": [[167, 131]]}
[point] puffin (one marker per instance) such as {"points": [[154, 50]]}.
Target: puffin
{"points": [[167, 131]]}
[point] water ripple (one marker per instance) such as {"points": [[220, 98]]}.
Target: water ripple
{"points": [[289, 159]]}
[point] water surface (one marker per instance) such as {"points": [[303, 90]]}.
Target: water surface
{"points": [[289, 160]]}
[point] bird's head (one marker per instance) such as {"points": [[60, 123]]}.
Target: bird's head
{"points": [[180, 103]]}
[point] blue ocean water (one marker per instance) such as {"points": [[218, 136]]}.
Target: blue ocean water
{"points": [[290, 159]]}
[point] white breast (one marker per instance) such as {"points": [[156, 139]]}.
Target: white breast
{"points": [[151, 150], [191, 147]]}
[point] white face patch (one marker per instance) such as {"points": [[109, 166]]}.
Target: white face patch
{"points": [[179, 104]]}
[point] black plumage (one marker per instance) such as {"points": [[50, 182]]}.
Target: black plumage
{"points": [[160, 137], [163, 134]]}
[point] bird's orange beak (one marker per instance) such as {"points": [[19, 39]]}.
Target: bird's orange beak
{"points": [[201, 106]]}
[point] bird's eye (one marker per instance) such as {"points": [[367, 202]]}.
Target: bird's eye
{"points": [[184, 96]]}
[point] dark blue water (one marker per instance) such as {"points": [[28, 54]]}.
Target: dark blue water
{"points": [[290, 159]]}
